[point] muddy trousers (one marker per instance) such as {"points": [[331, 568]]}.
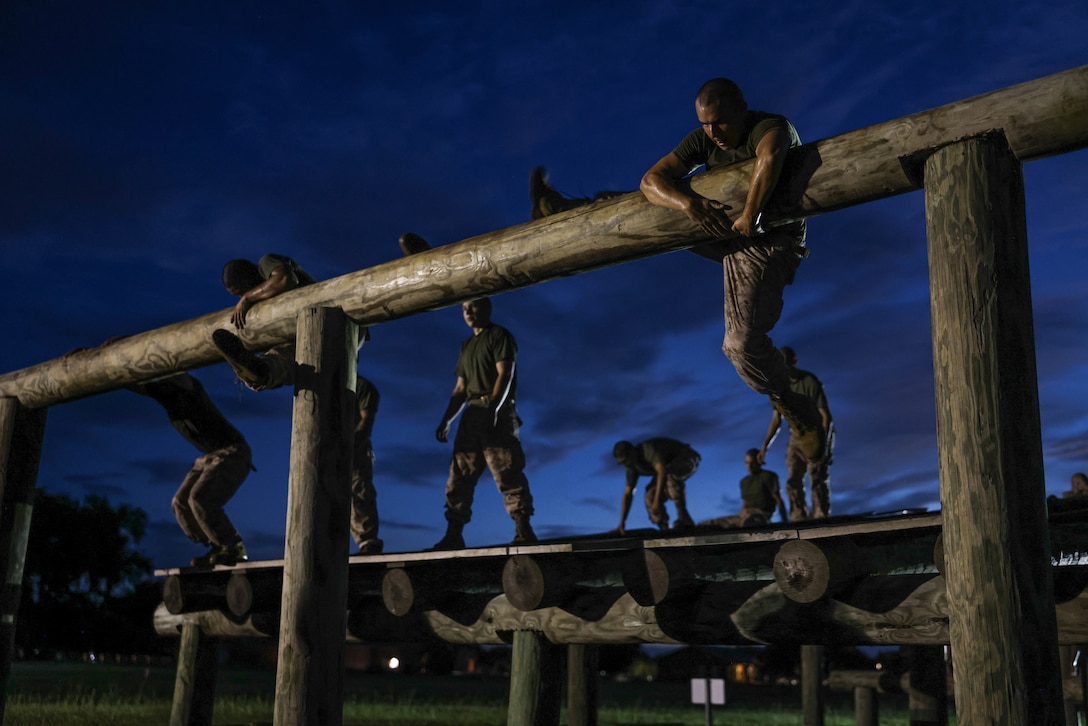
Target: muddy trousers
{"points": [[364, 497], [819, 474], [209, 485], [498, 447], [755, 276]]}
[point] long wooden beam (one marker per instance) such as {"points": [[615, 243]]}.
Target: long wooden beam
{"points": [[1039, 118]]}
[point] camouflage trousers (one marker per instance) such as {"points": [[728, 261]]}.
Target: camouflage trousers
{"points": [[819, 474], [209, 485], [755, 276], [364, 497], [477, 444]]}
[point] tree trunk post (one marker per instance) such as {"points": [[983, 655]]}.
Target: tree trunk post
{"points": [[1002, 625], [865, 707], [21, 434], [313, 614], [194, 687], [812, 695], [535, 687], [582, 661], [928, 702]]}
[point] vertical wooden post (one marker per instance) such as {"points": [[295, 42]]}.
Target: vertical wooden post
{"points": [[812, 694], [313, 615], [928, 686], [535, 666], [1002, 623], [582, 664], [865, 706], [1065, 656], [194, 687], [21, 434]]}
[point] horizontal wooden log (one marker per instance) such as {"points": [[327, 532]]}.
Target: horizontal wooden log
{"points": [[806, 571], [1039, 118], [246, 593], [433, 586], [879, 681], [585, 587], [191, 594], [896, 610]]}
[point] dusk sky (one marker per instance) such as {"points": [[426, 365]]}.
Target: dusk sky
{"points": [[144, 144]]}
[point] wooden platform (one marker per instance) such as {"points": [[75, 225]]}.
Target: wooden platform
{"points": [[862, 579]]}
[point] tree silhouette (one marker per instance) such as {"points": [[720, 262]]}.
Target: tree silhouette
{"points": [[82, 571]]}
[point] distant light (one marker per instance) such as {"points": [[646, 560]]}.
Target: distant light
{"points": [[394, 663]]}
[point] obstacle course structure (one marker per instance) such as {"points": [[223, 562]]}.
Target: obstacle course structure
{"points": [[967, 156]]}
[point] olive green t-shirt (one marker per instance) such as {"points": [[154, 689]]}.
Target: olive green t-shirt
{"points": [[697, 149], [480, 354], [757, 490], [270, 262]]}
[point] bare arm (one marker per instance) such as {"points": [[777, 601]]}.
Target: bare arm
{"points": [[772, 432], [279, 281], [660, 188], [659, 484], [365, 425], [625, 507], [457, 402], [770, 156]]}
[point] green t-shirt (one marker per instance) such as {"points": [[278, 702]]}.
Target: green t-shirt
{"points": [[270, 262], [480, 354], [810, 387], [697, 149], [659, 449], [366, 395], [757, 490]]}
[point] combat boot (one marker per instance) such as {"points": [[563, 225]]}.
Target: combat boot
{"points": [[524, 531], [412, 244], [246, 364], [229, 555], [453, 540], [546, 200]]}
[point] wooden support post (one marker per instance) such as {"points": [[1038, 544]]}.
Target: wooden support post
{"points": [[865, 707], [582, 663], [928, 691], [194, 688], [21, 434], [812, 677], [313, 616], [997, 557], [1065, 655], [535, 687]]}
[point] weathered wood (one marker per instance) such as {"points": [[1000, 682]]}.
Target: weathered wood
{"points": [[884, 681], [194, 684], [866, 707], [585, 587], [989, 440], [812, 678], [807, 571], [247, 593], [1041, 117], [313, 620], [21, 434], [535, 667], [192, 594], [582, 684], [460, 594]]}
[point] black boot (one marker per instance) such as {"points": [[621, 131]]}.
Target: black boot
{"points": [[524, 533], [453, 539]]}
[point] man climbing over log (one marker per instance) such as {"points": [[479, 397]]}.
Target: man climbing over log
{"points": [[670, 463], [758, 261], [759, 495], [805, 384], [485, 391], [214, 477]]}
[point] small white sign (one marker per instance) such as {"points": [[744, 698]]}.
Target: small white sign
{"points": [[717, 690]]}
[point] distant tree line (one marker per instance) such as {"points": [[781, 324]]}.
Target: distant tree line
{"points": [[86, 587]]}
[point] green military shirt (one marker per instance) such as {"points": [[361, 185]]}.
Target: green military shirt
{"points": [[757, 490], [270, 262], [479, 356]]}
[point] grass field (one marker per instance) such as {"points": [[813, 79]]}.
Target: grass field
{"points": [[54, 694]]}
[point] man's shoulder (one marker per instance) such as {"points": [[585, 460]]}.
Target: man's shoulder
{"points": [[270, 261]]}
